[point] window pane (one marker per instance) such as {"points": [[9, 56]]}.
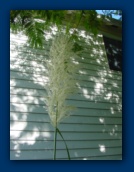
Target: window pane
{"points": [[114, 53]]}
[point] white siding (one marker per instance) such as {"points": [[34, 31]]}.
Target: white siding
{"points": [[92, 132]]}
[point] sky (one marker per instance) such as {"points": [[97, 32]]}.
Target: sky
{"points": [[114, 16]]}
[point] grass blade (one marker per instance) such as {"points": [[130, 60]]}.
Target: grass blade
{"points": [[65, 144]]}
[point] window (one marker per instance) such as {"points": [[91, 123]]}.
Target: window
{"points": [[114, 53]]}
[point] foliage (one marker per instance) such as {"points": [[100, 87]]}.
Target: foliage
{"points": [[31, 22]]}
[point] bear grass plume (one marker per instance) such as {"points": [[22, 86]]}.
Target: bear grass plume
{"points": [[61, 70]]}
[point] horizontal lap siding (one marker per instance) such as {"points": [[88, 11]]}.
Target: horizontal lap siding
{"points": [[94, 129], [39, 93], [88, 120], [80, 104], [62, 154]]}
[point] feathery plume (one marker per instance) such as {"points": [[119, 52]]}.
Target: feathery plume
{"points": [[61, 84]]}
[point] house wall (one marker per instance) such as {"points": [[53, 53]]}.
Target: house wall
{"points": [[92, 132]]}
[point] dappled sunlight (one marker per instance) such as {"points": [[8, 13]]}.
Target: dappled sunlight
{"points": [[82, 33], [54, 29], [115, 84], [101, 80], [46, 135], [102, 120], [16, 146], [17, 36], [98, 61], [28, 99], [40, 21], [82, 72], [48, 37], [102, 148], [85, 159], [95, 51], [18, 126], [112, 110], [98, 88], [28, 78], [27, 67], [85, 91], [75, 62], [16, 107], [102, 88], [93, 129], [15, 134], [35, 134], [109, 96], [113, 132]]}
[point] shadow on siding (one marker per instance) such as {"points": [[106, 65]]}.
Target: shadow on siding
{"points": [[93, 131]]}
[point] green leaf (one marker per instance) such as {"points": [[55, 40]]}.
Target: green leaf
{"points": [[65, 144]]}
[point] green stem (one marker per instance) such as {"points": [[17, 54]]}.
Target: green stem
{"points": [[55, 139], [65, 144], [55, 135]]}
